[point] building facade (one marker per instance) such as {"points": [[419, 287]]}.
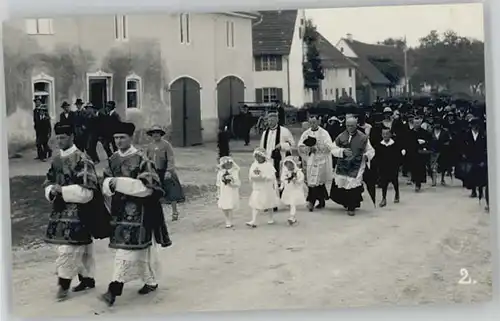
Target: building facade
{"points": [[175, 70], [277, 50]]}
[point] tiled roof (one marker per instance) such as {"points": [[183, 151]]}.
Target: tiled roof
{"points": [[274, 33], [330, 56], [367, 52]]}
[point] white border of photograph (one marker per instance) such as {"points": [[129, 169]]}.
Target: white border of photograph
{"points": [[455, 312]]}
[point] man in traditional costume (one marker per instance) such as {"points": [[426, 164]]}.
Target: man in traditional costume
{"points": [[354, 152], [277, 141], [70, 186], [318, 159], [133, 190]]}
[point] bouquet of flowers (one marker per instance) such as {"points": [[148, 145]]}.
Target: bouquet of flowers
{"points": [[290, 177], [226, 178]]}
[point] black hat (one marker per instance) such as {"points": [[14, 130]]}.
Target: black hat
{"points": [[79, 101], [65, 104], [474, 121], [37, 99], [111, 104], [124, 128], [310, 141], [63, 129]]}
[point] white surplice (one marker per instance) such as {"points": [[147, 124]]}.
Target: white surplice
{"points": [[286, 141], [73, 259], [319, 165], [131, 265]]}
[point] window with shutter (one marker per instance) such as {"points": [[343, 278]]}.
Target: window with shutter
{"points": [[39, 26], [279, 63], [258, 95], [258, 63], [279, 94]]}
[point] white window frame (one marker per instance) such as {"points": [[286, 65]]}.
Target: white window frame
{"points": [[269, 92], [138, 91], [185, 28], [269, 63], [229, 34], [37, 30], [121, 27], [100, 75], [44, 78]]}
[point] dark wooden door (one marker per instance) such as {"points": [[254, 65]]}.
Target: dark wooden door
{"points": [[98, 92], [185, 112], [230, 92]]}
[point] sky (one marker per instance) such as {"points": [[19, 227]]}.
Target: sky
{"points": [[372, 24]]}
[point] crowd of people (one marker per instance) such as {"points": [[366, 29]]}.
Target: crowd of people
{"points": [[91, 126], [350, 150], [357, 150]]}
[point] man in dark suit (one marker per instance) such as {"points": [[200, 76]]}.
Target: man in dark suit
{"points": [[80, 125], [66, 117], [43, 130], [110, 119], [93, 130]]}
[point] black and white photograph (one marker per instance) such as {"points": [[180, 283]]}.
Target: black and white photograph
{"points": [[176, 162]]}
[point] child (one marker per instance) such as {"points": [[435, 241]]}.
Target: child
{"points": [[263, 178], [292, 185], [228, 185], [389, 156], [162, 154]]}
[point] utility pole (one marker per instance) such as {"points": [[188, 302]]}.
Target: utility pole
{"points": [[405, 52]]}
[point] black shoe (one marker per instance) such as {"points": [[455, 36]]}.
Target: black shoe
{"points": [[62, 294], [275, 209], [351, 213], [85, 283], [108, 298], [321, 205], [147, 289], [310, 206]]}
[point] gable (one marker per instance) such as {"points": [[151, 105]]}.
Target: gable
{"points": [[273, 33]]}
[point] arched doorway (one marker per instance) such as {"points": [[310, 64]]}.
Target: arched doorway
{"points": [[185, 104], [230, 92]]}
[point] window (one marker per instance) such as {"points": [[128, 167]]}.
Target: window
{"points": [[336, 93], [343, 92], [230, 34], [342, 49], [133, 92], [269, 95], [326, 92], [350, 91], [121, 27], [269, 62], [184, 28], [39, 26], [350, 72]]}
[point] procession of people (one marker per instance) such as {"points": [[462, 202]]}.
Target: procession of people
{"points": [[352, 152]]}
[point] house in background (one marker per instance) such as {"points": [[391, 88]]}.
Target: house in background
{"points": [[380, 69], [175, 70], [339, 71], [277, 51]]}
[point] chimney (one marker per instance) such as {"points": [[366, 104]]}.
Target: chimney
{"points": [[349, 36]]}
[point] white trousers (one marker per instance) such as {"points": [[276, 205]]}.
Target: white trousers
{"points": [[133, 265], [75, 259]]}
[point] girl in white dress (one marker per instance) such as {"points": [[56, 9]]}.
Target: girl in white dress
{"points": [[264, 186], [228, 188], [292, 185]]}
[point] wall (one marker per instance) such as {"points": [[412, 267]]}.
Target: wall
{"points": [[298, 94], [272, 78], [87, 44], [338, 78], [344, 48]]}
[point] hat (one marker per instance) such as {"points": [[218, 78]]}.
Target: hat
{"points": [[37, 98], [156, 129], [111, 104], [65, 104], [124, 128], [79, 101], [63, 129], [310, 141], [474, 121], [387, 110]]}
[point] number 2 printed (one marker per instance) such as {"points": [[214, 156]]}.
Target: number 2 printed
{"points": [[465, 279]]}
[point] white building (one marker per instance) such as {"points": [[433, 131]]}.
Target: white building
{"points": [[176, 70], [277, 50], [372, 81]]}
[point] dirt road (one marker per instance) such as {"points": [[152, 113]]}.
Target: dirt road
{"points": [[405, 254]]}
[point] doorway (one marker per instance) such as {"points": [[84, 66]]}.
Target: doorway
{"points": [[98, 91]]}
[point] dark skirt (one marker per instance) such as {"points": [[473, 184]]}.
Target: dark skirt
{"points": [[172, 187], [418, 168], [317, 193], [349, 198]]}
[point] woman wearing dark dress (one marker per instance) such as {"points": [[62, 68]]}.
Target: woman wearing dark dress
{"points": [[418, 147], [160, 151]]}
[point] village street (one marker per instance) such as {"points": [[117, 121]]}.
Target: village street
{"points": [[407, 253]]}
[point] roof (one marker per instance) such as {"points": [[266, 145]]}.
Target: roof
{"points": [[273, 34], [330, 56], [367, 52]]}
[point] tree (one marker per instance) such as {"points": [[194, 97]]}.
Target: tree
{"points": [[312, 69], [443, 60], [399, 43]]}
